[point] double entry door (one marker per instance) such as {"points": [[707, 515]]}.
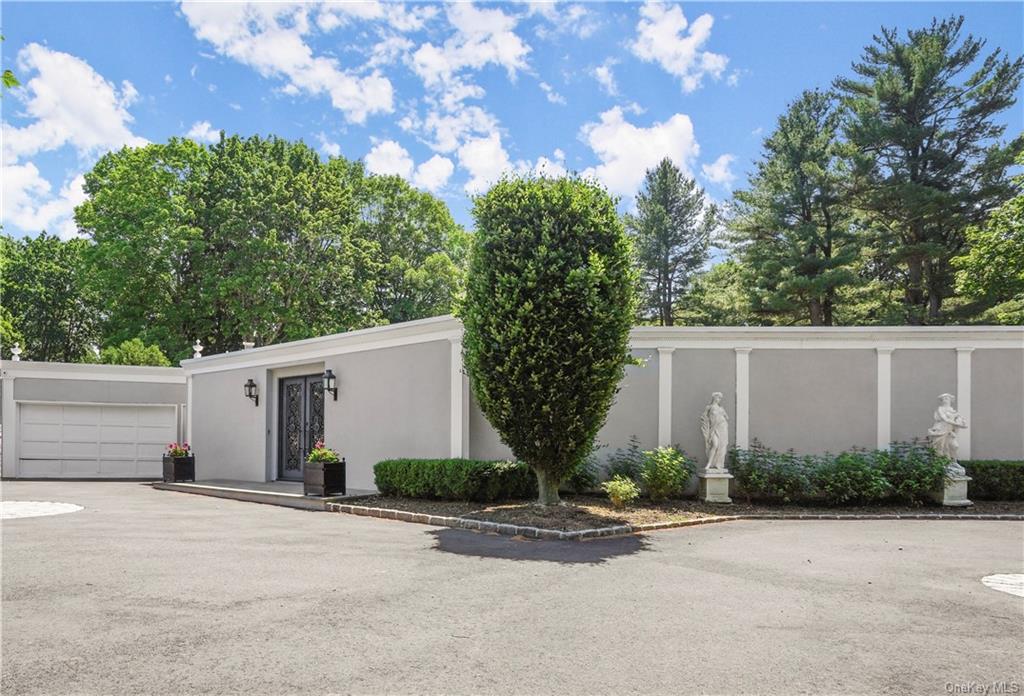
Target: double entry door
{"points": [[302, 422]]}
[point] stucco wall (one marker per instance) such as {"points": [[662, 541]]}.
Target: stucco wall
{"points": [[997, 404], [484, 442], [97, 391], [696, 374], [635, 411], [918, 377], [392, 402], [229, 433], [813, 401]]}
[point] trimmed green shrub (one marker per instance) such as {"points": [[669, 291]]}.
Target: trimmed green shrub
{"points": [[995, 479], [627, 462], [765, 474], [454, 479], [664, 473], [621, 491], [851, 478], [550, 300], [913, 470]]}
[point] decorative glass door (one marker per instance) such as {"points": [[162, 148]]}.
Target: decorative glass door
{"points": [[302, 423]]}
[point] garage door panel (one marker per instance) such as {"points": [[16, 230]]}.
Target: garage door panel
{"points": [[84, 441], [79, 433]]}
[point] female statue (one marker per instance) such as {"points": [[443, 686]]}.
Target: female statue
{"points": [[714, 425], [942, 435]]}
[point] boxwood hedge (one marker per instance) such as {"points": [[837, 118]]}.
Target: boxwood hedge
{"points": [[455, 479], [995, 479]]}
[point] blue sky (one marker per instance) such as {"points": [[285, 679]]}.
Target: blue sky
{"points": [[449, 96]]}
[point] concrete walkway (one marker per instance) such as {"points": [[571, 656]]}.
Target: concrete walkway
{"points": [[148, 591]]}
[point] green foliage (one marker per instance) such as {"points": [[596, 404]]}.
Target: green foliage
{"points": [[253, 238], [765, 474], [550, 298], [792, 228], [622, 491], [322, 453], [719, 297], [584, 478], [45, 303], [925, 152], [134, 352], [626, 462], [671, 232], [665, 473], [9, 79], [914, 471], [995, 480], [851, 478], [454, 479], [993, 268]]}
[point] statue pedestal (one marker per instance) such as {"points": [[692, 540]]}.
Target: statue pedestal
{"points": [[714, 485], [954, 492]]}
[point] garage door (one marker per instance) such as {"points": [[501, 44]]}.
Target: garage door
{"points": [[57, 440]]}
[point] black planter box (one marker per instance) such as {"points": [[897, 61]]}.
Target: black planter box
{"points": [[324, 478], [179, 468]]}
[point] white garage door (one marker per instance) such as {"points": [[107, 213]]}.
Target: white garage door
{"points": [[80, 441]]}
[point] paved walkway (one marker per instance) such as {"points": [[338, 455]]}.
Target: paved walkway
{"points": [[160, 592]]}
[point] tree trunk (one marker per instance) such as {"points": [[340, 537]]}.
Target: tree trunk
{"points": [[547, 488], [914, 295], [817, 313]]}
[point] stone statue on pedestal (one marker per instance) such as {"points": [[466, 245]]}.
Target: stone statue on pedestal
{"points": [[714, 425], [942, 435]]}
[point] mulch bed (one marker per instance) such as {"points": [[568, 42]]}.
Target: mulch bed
{"points": [[586, 512]]}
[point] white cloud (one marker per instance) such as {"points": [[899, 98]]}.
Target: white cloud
{"points": [[328, 146], [203, 132], [573, 19], [482, 37], [433, 174], [720, 171], [626, 151], [552, 96], [29, 204], [485, 159], [168, 79], [68, 103], [665, 37], [447, 130], [270, 39], [606, 78], [398, 16], [389, 157]]}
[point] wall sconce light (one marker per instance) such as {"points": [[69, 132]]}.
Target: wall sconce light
{"points": [[331, 383], [252, 391]]}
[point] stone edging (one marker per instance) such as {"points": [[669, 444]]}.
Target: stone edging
{"points": [[624, 529]]}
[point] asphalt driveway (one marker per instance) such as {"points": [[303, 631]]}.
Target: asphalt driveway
{"points": [[149, 591]]}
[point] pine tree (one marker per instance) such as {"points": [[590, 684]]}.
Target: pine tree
{"points": [[671, 233]]}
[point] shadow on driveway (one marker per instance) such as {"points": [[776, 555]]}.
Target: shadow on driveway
{"points": [[468, 543]]}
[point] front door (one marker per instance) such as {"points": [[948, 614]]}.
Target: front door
{"points": [[302, 423]]}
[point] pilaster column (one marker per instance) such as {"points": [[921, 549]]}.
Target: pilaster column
{"points": [[743, 398], [665, 397], [459, 445], [963, 397], [884, 428]]}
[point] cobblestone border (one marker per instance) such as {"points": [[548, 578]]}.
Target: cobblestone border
{"points": [[623, 529]]}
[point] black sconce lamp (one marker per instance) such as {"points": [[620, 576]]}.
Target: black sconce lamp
{"points": [[331, 384], [252, 391]]}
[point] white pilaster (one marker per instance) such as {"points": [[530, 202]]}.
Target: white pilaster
{"points": [[884, 397], [963, 398], [188, 409], [665, 397], [9, 465], [743, 398], [458, 399]]}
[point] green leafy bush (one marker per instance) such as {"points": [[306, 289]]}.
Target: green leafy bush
{"points": [[995, 479], [765, 474], [665, 473], [621, 491], [322, 453], [627, 462], [584, 478], [913, 470], [851, 478], [454, 479], [550, 299]]}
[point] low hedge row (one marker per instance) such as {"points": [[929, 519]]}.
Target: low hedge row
{"points": [[455, 479], [995, 479], [908, 472]]}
